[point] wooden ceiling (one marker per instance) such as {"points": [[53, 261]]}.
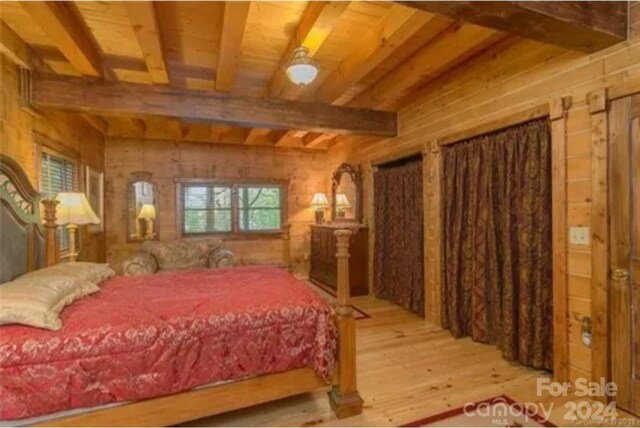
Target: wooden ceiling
{"points": [[371, 56]]}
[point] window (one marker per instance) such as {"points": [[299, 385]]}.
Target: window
{"points": [[217, 207], [58, 175], [207, 209], [259, 208]]}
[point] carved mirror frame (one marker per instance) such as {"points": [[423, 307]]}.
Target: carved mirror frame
{"points": [[136, 177], [356, 177]]}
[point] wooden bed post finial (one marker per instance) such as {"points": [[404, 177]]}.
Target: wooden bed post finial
{"points": [[50, 231], [344, 397]]}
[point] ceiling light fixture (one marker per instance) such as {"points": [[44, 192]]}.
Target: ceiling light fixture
{"points": [[301, 69]]}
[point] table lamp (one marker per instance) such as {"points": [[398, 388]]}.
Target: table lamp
{"points": [[319, 203], [74, 210], [148, 214], [342, 204]]}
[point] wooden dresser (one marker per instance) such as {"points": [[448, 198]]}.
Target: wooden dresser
{"points": [[323, 257]]}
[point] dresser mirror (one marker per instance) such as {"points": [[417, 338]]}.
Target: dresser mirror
{"points": [[142, 209], [346, 194]]}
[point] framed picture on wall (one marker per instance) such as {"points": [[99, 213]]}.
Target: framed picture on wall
{"points": [[94, 188]]}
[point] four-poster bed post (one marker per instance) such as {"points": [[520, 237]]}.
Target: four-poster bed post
{"points": [[344, 396], [52, 251]]}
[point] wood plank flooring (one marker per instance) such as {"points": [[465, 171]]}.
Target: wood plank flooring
{"points": [[407, 370]]}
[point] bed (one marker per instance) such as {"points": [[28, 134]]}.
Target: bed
{"points": [[167, 348]]}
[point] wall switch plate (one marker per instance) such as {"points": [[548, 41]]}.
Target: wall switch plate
{"points": [[579, 235]]}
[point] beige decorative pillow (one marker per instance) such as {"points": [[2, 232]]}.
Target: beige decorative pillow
{"points": [[92, 272], [37, 301]]}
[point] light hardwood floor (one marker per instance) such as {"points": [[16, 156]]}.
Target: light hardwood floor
{"points": [[407, 370]]}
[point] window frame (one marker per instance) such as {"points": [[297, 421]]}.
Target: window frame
{"points": [[50, 152], [234, 184]]}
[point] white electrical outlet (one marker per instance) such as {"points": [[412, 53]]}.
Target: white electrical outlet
{"points": [[579, 235]]}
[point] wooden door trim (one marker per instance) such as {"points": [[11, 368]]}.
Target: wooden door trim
{"points": [[600, 355], [623, 90], [432, 231], [558, 114]]}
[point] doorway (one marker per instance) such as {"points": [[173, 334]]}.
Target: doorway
{"points": [[624, 264], [398, 273]]}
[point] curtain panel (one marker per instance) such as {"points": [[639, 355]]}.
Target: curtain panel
{"points": [[398, 211], [497, 281]]}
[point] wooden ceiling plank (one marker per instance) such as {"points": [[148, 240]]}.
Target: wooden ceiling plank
{"points": [[145, 25], [398, 25], [176, 130], [315, 25], [256, 136], [233, 26], [97, 122], [118, 98], [314, 139], [578, 25], [452, 47], [62, 23]]}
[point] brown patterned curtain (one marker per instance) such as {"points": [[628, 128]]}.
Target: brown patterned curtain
{"points": [[497, 241], [398, 262]]}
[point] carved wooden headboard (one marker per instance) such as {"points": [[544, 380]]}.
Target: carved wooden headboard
{"points": [[23, 239]]}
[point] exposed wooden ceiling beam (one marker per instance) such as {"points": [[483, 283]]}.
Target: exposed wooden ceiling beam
{"points": [[314, 139], [579, 25], [316, 24], [452, 47], [62, 23], [118, 98], [143, 18], [398, 25], [13, 47], [233, 25]]}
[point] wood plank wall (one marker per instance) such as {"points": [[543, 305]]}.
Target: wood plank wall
{"points": [[168, 160], [70, 132], [513, 77]]}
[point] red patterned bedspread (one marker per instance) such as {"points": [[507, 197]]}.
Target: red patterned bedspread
{"points": [[153, 335]]}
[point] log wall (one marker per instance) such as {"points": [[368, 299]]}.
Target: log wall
{"points": [[168, 160], [70, 133], [514, 76]]}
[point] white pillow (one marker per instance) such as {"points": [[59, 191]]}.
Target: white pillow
{"points": [[92, 272], [38, 301]]}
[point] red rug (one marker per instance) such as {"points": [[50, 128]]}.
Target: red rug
{"points": [[501, 411]]}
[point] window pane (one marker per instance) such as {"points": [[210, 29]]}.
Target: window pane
{"points": [[58, 175], [207, 197], [207, 209], [259, 197], [260, 219], [259, 208]]}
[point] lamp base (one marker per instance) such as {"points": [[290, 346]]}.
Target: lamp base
{"points": [[319, 216], [73, 254]]}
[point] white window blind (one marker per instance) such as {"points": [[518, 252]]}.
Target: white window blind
{"points": [[58, 175]]}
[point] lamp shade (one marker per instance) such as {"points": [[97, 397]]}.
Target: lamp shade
{"points": [[301, 69], [342, 201], [319, 201], [148, 212], [74, 208]]}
